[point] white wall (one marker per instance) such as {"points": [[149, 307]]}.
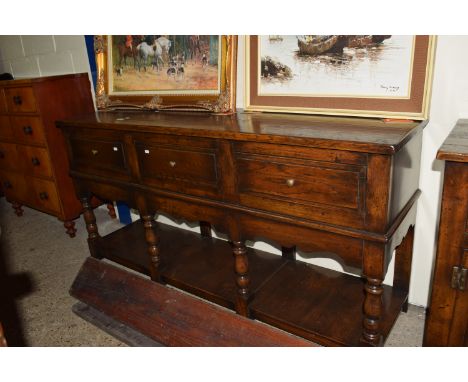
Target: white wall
{"points": [[26, 56]]}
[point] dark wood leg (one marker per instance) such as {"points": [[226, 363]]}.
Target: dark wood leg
{"points": [[152, 240], [111, 209], [241, 267], [70, 227], [403, 260], [373, 261], [91, 226], [17, 208], [288, 252], [205, 229]]}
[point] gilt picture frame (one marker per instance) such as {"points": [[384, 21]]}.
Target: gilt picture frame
{"points": [[190, 73], [367, 76]]}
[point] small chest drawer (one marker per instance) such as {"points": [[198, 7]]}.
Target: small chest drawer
{"points": [[98, 155], [9, 157], [13, 185], [2, 101], [20, 100], [35, 161], [28, 130], [179, 164], [45, 195], [6, 131]]}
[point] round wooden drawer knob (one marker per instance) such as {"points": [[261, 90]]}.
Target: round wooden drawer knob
{"points": [[43, 196], [35, 161]]}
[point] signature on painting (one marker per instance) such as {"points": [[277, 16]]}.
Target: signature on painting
{"points": [[390, 88]]}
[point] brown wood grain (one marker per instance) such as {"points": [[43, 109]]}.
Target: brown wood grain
{"points": [[167, 315], [446, 323]]}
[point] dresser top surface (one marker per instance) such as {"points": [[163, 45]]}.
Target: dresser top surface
{"points": [[354, 134], [32, 80], [455, 146]]}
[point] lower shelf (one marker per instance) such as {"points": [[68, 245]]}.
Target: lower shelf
{"points": [[315, 303], [199, 265]]}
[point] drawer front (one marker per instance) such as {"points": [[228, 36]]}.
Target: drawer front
{"points": [[45, 195], [28, 130], [20, 100], [98, 156], [35, 161], [179, 164], [13, 185], [315, 190], [9, 157], [3, 107], [6, 131]]}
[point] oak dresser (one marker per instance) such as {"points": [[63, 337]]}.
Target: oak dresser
{"points": [[344, 188], [33, 159], [447, 315]]}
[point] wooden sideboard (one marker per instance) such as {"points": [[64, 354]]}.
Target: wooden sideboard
{"points": [[447, 315], [339, 187], [33, 159]]}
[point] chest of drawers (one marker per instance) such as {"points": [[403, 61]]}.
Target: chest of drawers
{"points": [[447, 315], [33, 161], [330, 187]]}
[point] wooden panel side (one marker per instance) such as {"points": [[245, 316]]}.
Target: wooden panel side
{"points": [[453, 215]]}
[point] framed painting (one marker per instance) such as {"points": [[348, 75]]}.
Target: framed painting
{"points": [[384, 76], [166, 72]]}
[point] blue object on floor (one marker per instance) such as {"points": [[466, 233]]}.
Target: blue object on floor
{"points": [[124, 213]]}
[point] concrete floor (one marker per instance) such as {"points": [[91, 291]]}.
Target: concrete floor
{"points": [[39, 262]]}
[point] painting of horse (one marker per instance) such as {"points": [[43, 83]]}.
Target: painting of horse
{"points": [[164, 64]]}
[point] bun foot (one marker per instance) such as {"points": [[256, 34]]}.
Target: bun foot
{"points": [[70, 226], [18, 208], [111, 209]]}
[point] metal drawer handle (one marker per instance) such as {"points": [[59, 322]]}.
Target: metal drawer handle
{"points": [[7, 184], [290, 182], [172, 163], [27, 130], [35, 161], [94, 152], [43, 196], [17, 100]]}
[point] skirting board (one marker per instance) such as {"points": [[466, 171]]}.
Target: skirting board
{"points": [[168, 316]]}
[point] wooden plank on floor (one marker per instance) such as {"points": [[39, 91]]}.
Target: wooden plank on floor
{"points": [[169, 316], [116, 329]]}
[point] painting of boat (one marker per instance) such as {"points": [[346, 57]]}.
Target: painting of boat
{"points": [[314, 45]]}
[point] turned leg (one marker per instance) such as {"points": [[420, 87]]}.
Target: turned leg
{"points": [[205, 229], [241, 267], [152, 240], [288, 253], [18, 208], [91, 226], [70, 227], [403, 259], [111, 210], [374, 256]]}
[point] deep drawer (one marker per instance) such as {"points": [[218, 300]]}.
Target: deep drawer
{"points": [[317, 190], [9, 157], [13, 185], [6, 131], [45, 195], [28, 130], [179, 164], [35, 161], [20, 100]]}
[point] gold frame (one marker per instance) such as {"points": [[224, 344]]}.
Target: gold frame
{"points": [[222, 103], [421, 114]]}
